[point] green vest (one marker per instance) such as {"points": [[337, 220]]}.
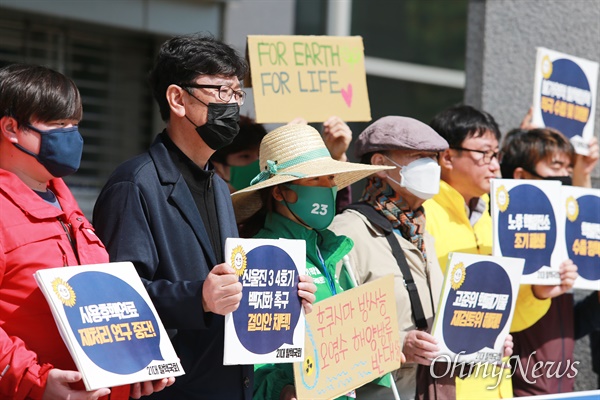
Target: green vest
{"points": [[270, 379]]}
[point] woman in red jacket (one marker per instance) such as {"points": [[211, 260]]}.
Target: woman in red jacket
{"points": [[41, 226]]}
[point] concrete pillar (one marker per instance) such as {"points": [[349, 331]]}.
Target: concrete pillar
{"points": [[502, 37]]}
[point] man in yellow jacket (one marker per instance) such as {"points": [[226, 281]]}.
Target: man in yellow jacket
{"points": [[458, 218]]}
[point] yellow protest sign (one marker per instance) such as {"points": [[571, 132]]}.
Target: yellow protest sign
{"points": [[351, 339], [313, 77]]}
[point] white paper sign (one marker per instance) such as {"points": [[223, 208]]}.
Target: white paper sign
{"points": [[582, 234], [564, 95], [109, 324], [527, 222], [269, 325], [476, 307]]}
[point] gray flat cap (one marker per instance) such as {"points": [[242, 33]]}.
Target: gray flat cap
{"points": [[398, 133]]}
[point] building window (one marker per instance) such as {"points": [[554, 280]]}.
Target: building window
{"points": [[109, 67]]}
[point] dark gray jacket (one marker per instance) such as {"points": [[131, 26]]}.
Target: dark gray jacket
{"points": [[146, 214]]}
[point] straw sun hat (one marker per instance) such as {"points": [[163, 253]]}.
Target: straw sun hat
{"points": [[293, 152]]}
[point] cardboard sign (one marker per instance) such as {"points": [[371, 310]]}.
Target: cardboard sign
{"points": [[269, 325], [527, 222], [352, 338], [582, 234], [312, 77], [109, 324], [477, 306], [564, 95]]}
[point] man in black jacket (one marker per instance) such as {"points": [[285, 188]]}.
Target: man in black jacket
{"points": [[168, 213]]}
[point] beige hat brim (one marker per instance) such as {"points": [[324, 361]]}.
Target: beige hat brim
{"points": [[248, 201]]}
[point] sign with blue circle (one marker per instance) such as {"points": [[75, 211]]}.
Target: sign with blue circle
{"points": [[109, 324], [582, 234], [525, 223], [112, 318], [269, 324], [478, 301], [565, 95]]}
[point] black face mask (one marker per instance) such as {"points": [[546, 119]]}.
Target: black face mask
{"points": [[221, 125], [566, 180]]}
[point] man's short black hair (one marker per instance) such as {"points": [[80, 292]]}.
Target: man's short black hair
{"points": [[457, 123], [183, 58], [526, 148], [35, 93]]}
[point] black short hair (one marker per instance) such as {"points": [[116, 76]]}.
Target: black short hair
{"points": [[457, 123], [183, 58], [35, 93], [526, 148]]}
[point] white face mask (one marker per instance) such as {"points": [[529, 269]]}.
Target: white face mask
{"points": [[420, 177]]}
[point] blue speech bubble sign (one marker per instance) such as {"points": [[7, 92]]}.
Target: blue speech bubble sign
{"points": [[567, 73], [270, 306], [527, 239], [582, 236], [101, 344], [477, 310]]}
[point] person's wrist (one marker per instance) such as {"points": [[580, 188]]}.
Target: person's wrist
{"points": [[538, 292], [287, 392], [204, 305]]}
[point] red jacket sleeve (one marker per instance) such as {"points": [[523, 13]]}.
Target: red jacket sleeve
{"points": [[21, 376]]}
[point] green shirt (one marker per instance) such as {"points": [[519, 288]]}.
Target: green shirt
{"points": [[270, 379]]}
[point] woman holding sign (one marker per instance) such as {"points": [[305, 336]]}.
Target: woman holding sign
{"points": [[237, 163], [294, 198]]}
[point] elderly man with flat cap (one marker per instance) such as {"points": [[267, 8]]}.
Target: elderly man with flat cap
{"points": [[388, 230]]}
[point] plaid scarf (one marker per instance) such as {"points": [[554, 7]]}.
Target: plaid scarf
{"points": [[384, 199]]}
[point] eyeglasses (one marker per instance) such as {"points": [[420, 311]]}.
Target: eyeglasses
{"points": [[488, 155], [225, 92]]}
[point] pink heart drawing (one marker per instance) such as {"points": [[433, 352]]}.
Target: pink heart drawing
{"points": [[347, 94]]}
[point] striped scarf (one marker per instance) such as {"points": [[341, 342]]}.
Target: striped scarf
{"points": [[384, 199]]}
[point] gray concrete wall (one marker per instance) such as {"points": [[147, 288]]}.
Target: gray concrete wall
{"points": [[168, 17], [249, 16], [501, 39]]}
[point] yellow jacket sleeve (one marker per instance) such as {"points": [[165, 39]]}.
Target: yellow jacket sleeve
{"points": [[528, 309]]}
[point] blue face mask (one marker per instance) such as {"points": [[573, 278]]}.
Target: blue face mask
{"points": [[60, 150], [315, 206]]}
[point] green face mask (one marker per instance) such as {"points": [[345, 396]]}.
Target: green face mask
{"points": [[240, 177], [315, 206]]}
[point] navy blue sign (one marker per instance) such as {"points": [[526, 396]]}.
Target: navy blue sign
{"points": [[109, 319], [527, 228], [566, 98], [478, 307], [270, 306], [582, 235]]}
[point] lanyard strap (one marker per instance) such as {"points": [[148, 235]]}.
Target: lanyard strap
{"points": [[328, 276], [385, 225]]}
